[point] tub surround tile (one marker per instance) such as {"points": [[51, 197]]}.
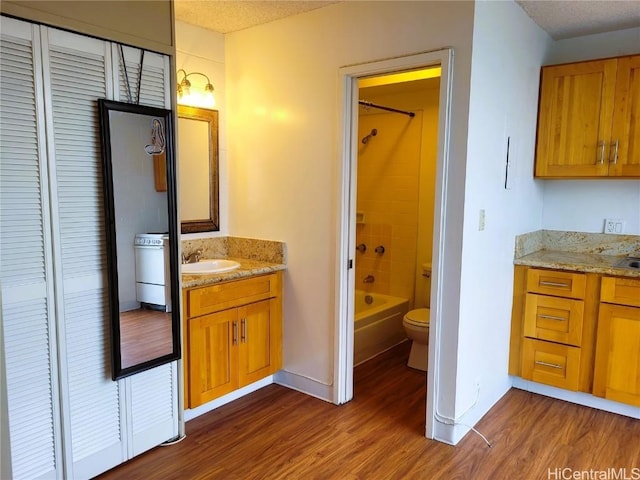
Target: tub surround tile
{"points": [[577, 251], [256, 257]]}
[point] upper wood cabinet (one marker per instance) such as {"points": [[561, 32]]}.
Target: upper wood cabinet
{"points": [[589, 119]]}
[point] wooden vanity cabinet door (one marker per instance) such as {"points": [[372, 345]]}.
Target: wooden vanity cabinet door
{"points": [[213, 366], [254, 347], [575, 117]]}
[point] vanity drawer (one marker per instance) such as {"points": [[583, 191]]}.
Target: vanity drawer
{"points": [[213, 298], [555, 319], [551, 363], [560, 284], [621, 291]]}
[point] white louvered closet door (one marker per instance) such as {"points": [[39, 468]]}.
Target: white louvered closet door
{"points": [[25, 264], [153, 394], [77, 71]]}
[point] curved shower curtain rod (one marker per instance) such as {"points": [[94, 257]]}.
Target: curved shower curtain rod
{"points": [[388, 109]]}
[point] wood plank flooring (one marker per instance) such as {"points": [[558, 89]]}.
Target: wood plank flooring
{"points": [[145, 335], [277, 433]]}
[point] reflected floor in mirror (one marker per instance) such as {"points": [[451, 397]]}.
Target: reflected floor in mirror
{"points": [[146, 335]]}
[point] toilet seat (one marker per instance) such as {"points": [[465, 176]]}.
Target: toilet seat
{"points": [[418, 317]]}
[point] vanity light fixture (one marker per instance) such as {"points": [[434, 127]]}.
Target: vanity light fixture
{"points": [[187, 97]]}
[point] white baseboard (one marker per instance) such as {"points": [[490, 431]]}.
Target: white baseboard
{"points": [[580, 398], [305, 385], [453, 433], [230, 397]]}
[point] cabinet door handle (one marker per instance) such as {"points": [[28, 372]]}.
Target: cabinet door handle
{"points": [[243, 330], [552, 317], [554, 284], [615, 152], [602, 146], [545, 364], [235, 333]]}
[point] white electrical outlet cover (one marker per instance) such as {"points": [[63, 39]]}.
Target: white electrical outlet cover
{"points": [[614, 226]]}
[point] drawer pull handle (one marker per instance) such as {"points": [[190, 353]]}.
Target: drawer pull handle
{"points": [[545, 364], [235, 333], [243, 330], [554, 284], [551, 317]]}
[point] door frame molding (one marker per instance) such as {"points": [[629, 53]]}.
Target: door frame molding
{"points": [[345, 277]]}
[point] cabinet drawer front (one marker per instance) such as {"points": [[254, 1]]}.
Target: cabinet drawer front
{"points": [[621, 291], [551, 364], [213, 298], [553, 318], [560, 284]]}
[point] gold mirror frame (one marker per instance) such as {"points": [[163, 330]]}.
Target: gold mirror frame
{"points": [[212, 223]]}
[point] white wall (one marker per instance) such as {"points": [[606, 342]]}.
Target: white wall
{"points": [[201, 50], [508, 49], [284, 111], [582, 205]]}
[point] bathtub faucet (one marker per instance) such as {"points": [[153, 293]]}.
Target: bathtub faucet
{"points": [[369, 279]]}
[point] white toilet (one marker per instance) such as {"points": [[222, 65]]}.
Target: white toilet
{"points": [[416, 325]]}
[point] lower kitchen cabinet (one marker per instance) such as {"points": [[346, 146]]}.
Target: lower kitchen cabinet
{"points": [[577, 331], [234, 336], [617, 370]]}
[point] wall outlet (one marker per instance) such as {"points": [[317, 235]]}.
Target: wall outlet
{"points": [[614, 225]]}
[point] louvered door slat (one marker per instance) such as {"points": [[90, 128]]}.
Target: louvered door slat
{"points": [[93, 399], [28, 343]]}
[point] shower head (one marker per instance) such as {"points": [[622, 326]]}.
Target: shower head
{"points": [[373, 133]]}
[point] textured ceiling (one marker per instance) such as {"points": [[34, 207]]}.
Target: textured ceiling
{"points": [[574, 18], [559, 18], [233, 15]]}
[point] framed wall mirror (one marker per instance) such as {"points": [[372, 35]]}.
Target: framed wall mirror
{"points": [[198, 157], [142, 236]]}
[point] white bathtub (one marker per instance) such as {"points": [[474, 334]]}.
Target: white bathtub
{"points": [[378, 324]]}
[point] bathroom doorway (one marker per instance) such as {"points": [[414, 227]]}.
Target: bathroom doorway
{"points": [[361, 218]]}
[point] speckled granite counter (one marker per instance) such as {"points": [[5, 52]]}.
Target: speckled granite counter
{"points": [[248, 268], [577, 251], [256, 257]]}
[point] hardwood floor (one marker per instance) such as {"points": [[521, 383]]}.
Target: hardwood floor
{"points": [[145, 334], [277, 433]]}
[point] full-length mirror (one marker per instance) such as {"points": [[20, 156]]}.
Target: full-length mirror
{"points": [[198, 157], [141, 229]]}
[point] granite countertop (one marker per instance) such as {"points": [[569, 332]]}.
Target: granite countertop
{"points": [[577, 262], [248, 268]]}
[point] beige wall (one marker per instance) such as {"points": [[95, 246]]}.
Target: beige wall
{"points": [[284, 116], [396, 182], [201, 50], [145, 24]]}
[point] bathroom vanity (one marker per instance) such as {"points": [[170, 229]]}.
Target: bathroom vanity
{"points": [[232, 324]]}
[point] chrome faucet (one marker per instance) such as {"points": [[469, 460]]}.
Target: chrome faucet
{"points": [[369, 279], [193, 257]]}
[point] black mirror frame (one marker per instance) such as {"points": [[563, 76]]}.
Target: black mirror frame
{"points": [[104, 107]]}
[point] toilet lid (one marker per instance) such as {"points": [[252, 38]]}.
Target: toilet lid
{"points": [[418, 317]]}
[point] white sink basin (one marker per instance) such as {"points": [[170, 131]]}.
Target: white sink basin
{"points": [[209, 266]]}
